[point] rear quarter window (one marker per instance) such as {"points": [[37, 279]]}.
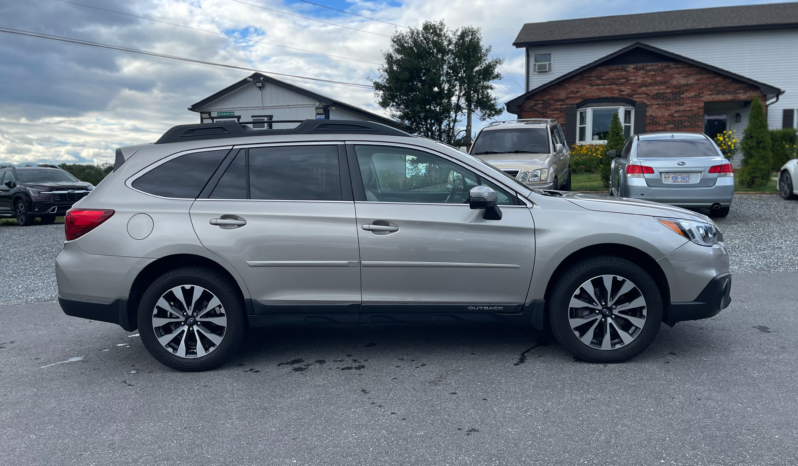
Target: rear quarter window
{"points": [[676, 148], [182, 177]]}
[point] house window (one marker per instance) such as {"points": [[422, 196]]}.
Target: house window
{"points": [[593, 123], [542, 63]]}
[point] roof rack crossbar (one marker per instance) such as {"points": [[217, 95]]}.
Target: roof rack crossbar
{"points": [[233, 129], [527, 121]]}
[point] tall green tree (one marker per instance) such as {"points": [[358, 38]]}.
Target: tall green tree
{"points": [[87, 172], [434, 77], [615, 142], [756, 147]]}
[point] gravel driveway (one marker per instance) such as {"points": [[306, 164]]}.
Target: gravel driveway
{"points": [[761, 233]]}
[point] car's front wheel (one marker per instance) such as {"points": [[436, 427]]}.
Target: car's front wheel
{"points": [[605, 310], [192, 319], [24, 219], [786, 188]]}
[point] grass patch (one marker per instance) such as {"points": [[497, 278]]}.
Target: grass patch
{"points": [[10, 221], [587, 182], [771, 187]]}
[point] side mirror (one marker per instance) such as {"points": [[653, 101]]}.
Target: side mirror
{"points": [[612, 154], [558, 148], [483, 197]]}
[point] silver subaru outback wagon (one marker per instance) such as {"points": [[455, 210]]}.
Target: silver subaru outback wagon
{"points": [[216, 228]]}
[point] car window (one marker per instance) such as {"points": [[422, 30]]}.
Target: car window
{"points": [[4, 178], [502, 141], [394, 174], [295, 173], [233, 184], [560, 134], [676, 148], [44, 175], [627, 148], [555, 136], [182, 177]]}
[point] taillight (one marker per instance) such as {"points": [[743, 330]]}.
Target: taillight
{"points": [[79, 222], [638, 171], [722, 170]]}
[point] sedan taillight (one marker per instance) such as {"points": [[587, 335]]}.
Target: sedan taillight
{"points": [[638, 171], [79, 222], [722, 170]]}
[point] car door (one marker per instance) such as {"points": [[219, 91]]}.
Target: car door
{"points": [[5, 191], [283, 216], [422, 248]]}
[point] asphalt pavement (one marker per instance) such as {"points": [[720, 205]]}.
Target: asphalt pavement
{"points": [[715, 392]]}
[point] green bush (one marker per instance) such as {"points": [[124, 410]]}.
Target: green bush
{"points": [[615, 142], [86, 172], [756, 147], [784, 146]]}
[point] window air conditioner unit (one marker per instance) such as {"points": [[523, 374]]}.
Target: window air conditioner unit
{"points": [[542, 67]]}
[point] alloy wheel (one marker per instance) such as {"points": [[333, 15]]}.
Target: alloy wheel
{"points": [[21, 216], [607, 312], [189, 321]]}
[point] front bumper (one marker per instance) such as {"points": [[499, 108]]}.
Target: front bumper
{"points": [[715, 297], [541, 185]]}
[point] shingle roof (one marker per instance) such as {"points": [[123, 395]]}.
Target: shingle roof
{"points": [[696, 21]]}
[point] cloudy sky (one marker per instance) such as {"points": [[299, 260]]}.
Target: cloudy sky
{"points": [[62, 102]]}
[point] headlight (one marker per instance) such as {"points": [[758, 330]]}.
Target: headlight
{"points": [[703, 234], [90, 187], [541, 174], [34, 192], [523, 176]]}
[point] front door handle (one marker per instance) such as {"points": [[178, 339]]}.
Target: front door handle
{"points": [[381, 227], [228, 222]]}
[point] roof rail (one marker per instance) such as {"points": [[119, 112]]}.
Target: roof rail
{"points": [[47, 165], [232, 129], [528, 121], [7, 166]]}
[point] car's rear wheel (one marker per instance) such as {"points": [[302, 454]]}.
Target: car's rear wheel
{"points": [[719, 213], [605, 310], [47, 219], [21, 213], [786, 188], [192, 319]]}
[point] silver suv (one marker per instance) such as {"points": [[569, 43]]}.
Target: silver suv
{"points": [[533, 151], [216, 228]]}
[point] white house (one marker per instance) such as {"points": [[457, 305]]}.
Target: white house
{"points": [[261, 98]]}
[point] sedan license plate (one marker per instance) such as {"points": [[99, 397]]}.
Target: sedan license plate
{"points": [[676, 178]]}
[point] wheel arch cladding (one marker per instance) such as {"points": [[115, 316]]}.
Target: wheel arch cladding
{"points": [[152, 271], [633, 255]]}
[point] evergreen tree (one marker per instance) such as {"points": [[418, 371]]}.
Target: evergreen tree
{"points": [[615, 142], [756, 147]]}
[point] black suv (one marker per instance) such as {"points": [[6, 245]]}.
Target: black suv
{"points": [[45, 191]]}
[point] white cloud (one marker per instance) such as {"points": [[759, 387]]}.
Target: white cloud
{"points": [[63, 102]]}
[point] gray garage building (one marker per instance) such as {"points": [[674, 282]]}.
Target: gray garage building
{"points": [[261, 98]]}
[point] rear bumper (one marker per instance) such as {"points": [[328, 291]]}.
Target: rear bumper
{"points": [[714, 298], [722, 193], [114, 312]]}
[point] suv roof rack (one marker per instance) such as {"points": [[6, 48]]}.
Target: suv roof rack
{"points": [[47, 165], [226, 130], [7, 166], [526, 121]]}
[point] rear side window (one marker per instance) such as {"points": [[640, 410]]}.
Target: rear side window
{"points": [[676, 148], [182, 177], [291, 173]]}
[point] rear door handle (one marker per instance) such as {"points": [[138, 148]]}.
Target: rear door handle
{"points": [[228, 222]]}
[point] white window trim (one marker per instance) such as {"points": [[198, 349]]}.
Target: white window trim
{"points": [[589, 123], [550, 62]]}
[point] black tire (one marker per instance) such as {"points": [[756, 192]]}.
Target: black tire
{"points": [[556, 184], [47, 219], [230, 299], [572, 280], [719, 213], [24, 219], [567, 186], [786, 188]]}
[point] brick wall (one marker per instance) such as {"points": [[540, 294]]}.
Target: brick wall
{"points": [[675, 93]]}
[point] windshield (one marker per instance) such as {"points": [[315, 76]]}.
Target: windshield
{"points": [[44, 175], [676, 148], [504, 141]]}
